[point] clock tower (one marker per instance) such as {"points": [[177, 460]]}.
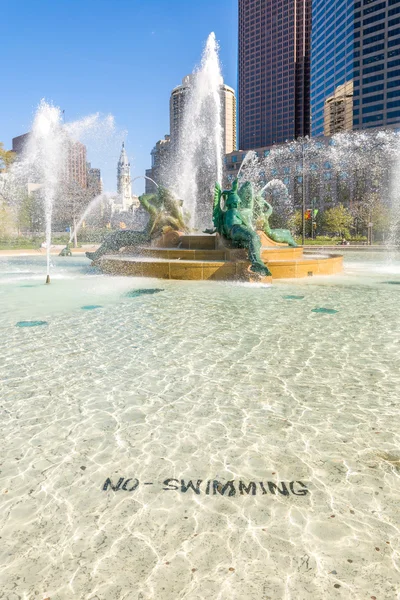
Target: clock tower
{"points": [[124, 180]]}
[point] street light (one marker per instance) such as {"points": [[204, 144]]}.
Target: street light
{"points": [[312, 217], [303, 194]]}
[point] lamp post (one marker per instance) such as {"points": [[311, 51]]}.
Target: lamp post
{"points": [[303, 195], [312, 217]]}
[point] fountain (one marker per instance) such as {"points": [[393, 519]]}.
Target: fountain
{"points": [[234, 249], [242, 245], [175, 439], [45, 157], [197, 164]]}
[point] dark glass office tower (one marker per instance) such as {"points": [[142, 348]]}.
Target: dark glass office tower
{"points": [[355, 65], [274, 71]]}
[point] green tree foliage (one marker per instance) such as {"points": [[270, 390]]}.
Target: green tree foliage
{"points": [[70, 205], [372, 210], [337, 221], [30, 213], [380, 219], [7, 157], [295, 223], [6, 220]]}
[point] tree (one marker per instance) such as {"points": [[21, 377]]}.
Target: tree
{"points": [[69, 206], [30, 213], [372, 210], [295, 222], [338, 220], [7, 157], [380, 219], [6, 220]]}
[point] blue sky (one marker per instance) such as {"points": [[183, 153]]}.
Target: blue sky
{"points": [[121, 57]]}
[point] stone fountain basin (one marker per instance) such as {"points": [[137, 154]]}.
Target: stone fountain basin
{"points": [[201, 257]]}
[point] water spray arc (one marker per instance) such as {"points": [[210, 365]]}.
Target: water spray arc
{"points": [[93, 204], [145, 177]]}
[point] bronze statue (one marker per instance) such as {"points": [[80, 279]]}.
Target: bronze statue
{"points": [[165, 213], [235, 223], [66, 251], [277, 235]]}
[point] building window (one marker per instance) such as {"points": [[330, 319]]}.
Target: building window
{"points": [[375, 108], [375, 98], [371, 119], [372, 59]]}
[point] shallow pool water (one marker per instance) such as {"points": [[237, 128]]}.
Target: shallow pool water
{"points": [[201, 440]]}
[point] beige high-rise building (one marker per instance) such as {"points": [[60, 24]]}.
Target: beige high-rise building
{"points": [[338, 110], [75, 166], [76, 169], [160, 161], [228, 107]]}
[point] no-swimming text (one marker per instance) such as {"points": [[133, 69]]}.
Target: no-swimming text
{"points": [[213, 487]]}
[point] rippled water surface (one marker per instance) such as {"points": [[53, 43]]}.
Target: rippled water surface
{"points": [[284, 420]]}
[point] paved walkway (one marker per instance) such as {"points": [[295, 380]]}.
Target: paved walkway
{"points": [[54, 250]]}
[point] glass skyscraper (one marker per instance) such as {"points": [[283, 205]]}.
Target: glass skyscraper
{"points": [[355, 65], [331, 54], [376, 63]]}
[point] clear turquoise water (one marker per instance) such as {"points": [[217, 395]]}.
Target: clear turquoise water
{"points": [[199, 381]]}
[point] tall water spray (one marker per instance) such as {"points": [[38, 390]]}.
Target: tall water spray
{"points": [[44, 158], [393, 239], [198, 162]]}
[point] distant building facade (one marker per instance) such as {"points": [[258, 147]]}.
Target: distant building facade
{"points": [[274, 71], [177, 104], [310, 168], [19, 143], [94, 181], [75, 168], [228, 107], [160, 156], [178, 100]]}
